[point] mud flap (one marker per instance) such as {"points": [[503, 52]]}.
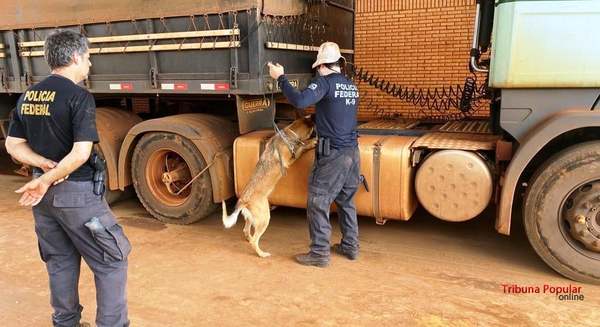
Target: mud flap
{"points": [[254, 112]]}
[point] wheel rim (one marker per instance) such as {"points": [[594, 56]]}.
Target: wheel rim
{"points": [[167, 174], [579, 220]]}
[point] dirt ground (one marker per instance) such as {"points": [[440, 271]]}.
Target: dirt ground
{"points": [[418, 273]]}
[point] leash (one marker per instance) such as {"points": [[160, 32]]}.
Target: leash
{"points": [[284, 137], [278, 131], [283, 172]]}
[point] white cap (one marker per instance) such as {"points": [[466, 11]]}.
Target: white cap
{"points": [[329, 52]]}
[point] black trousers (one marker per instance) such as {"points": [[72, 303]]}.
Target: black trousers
{"points": [[64, 238], [334, 178]]}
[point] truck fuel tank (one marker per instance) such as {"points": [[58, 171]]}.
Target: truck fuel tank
{"points": [[385, 165]]}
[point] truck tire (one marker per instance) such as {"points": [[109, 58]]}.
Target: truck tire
{"points": [[562, 212], [164, 196], [114, 196]]}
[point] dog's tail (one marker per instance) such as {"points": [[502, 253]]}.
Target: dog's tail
{"points": [[229, 221]]}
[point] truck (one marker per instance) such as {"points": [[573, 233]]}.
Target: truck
{"points": [[185, 107]]}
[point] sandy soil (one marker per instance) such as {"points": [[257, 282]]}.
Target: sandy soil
{"points": [[418, 273]]}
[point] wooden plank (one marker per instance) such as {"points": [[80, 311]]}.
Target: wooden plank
{"points": [[24, 14], [146, 37], [300, 47], [146, 48]]}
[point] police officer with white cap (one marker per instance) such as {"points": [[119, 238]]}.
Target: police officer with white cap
{"points": [[336, 170]]}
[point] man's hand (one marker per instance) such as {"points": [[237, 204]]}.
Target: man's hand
{"points": [[33, 192], [80, 154], [275, 70], [47, 164]]}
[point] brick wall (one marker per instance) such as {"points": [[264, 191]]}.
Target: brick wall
{"points": [[415, 43]]}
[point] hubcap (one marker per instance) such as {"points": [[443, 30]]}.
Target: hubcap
{"points": [[582, 213], [167, 173]]}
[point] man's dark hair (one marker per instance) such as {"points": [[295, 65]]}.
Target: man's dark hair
{"points": [[61, 45], [341, 63]]}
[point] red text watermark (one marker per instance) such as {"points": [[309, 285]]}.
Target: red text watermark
{"points": [[561, 292]]}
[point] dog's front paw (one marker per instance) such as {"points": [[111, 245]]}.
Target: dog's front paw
{"points": [[311, 144], [264, 254]]}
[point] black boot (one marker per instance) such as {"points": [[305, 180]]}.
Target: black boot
{"points": [[311, 259], [337, 248]]}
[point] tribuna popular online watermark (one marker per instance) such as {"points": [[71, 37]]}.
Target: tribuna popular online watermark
{"points": [[562, 293]]}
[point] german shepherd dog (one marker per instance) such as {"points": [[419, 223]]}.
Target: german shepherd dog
{"points": [[281, 151]]}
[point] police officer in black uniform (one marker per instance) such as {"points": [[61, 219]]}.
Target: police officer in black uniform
{"points": [[336, 170], [54, 129]]}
